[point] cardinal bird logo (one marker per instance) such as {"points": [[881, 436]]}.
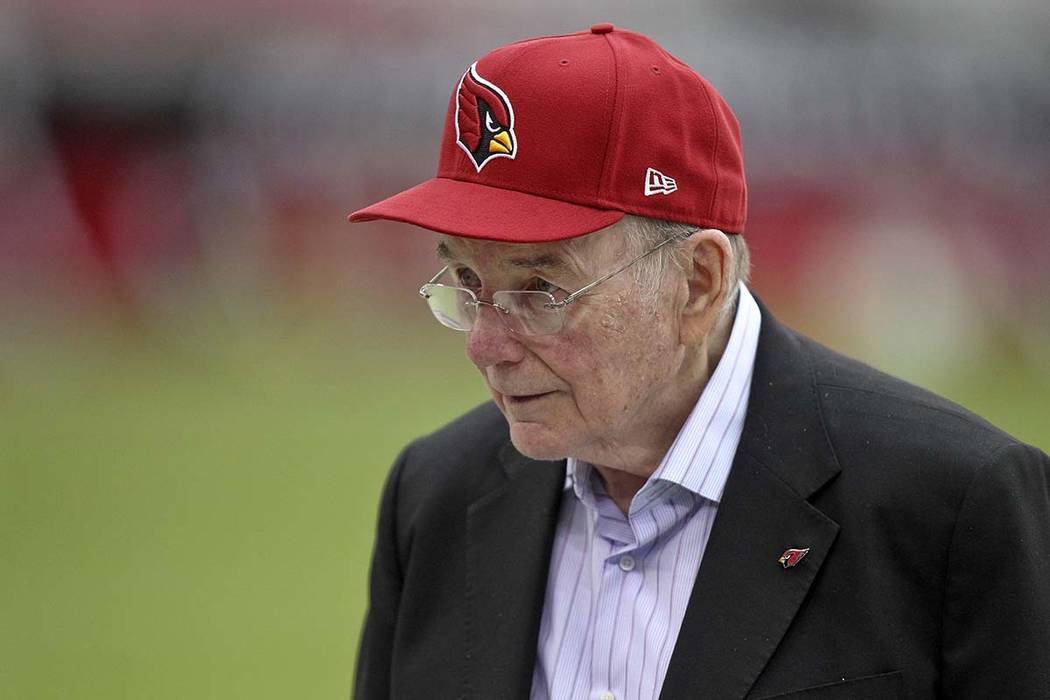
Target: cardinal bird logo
{"points": [[484, 120], [791, 557]]}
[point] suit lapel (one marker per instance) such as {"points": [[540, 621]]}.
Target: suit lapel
{"points": [[510, 531], [743, 600]]}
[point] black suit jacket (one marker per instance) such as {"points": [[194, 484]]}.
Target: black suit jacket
{"points": [[928, 573]]}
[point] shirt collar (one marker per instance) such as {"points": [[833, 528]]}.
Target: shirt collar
{"points": [[697, 458]]}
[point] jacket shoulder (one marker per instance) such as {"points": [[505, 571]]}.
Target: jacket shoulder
{"points": [[452, 464], [480, 432], [861, 404]]}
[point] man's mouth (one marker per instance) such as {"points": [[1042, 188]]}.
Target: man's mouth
{"points": [[520, 399]]}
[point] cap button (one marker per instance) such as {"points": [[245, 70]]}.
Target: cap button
{"points": [[601, 28]]}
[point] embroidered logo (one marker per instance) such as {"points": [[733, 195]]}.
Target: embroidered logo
{"points": [[792, 557], [484, 120], [658, 183]]}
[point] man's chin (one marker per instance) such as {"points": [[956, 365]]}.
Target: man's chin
{"points": [[537, 441]]}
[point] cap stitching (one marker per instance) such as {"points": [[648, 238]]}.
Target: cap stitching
{"points": [[603, 178], [714, 152]]}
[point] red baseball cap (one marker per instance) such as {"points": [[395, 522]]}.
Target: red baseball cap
{"points": [[556, 137]]}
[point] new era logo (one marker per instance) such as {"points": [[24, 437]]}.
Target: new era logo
{"points": [[658, 183]]}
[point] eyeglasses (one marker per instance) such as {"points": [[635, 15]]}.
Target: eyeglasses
{"points": [[525, 312]]}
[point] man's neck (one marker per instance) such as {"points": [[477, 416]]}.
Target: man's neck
{"points": [[623, 481]]}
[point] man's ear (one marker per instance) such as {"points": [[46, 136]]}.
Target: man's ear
{"points": [[707, 280]]}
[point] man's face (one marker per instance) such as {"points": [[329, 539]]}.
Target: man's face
{"points": [[599, 387]]}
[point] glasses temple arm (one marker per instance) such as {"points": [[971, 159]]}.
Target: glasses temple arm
{"points": [[583, 290], [434, 279]]}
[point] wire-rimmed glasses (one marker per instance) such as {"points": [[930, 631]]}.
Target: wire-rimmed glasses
{"points": [[525, 312]]}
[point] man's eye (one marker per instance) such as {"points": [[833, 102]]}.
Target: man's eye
{"points": [[468, 278], [542, 285]]}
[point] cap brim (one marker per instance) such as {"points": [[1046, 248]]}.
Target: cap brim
{"points": [[480, 211]]}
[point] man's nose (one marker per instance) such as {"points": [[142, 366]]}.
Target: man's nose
{"points": [[490, 342]]}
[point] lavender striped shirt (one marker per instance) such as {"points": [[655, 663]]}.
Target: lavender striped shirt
{"points": [[619, 586]]}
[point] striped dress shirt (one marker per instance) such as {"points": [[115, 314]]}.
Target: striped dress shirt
{"points": [[619, 585]]}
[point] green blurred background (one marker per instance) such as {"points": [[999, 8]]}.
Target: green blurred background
{"points": [[182, 525], [205, 372]]}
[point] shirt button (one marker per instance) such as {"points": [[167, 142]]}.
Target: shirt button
{"points": [[626, 564], [606, 696]]}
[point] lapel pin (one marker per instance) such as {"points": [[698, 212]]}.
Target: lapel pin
{"points": [[791, 557]]}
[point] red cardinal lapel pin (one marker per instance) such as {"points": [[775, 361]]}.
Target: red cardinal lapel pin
{"points": [[792, 557]]}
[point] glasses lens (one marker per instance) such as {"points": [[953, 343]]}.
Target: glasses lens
{"points": [[531, 313], [451, 306]]}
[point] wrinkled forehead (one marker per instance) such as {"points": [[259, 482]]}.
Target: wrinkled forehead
{"points": [[577, 255]]}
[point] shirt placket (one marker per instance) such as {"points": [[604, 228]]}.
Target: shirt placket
{"points": [[618, 573]]}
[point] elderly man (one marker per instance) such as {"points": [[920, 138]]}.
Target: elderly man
{"points": [[671, 494]]}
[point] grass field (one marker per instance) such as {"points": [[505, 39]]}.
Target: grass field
{"points": [[194, 519], [184, 525]]}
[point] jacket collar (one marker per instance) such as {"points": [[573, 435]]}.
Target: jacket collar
{"points": [[510, 532], [743, 599]]}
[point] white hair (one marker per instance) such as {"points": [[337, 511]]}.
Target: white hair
{"points": [[641, 234]]}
